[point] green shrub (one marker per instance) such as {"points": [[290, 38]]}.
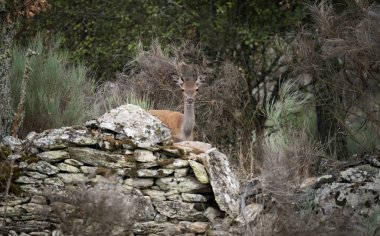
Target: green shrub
{"points": [[57, 92]]}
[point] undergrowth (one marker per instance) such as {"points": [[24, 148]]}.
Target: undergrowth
{"points": [[58, 93]]}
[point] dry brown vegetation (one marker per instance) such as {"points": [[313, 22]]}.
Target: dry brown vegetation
{"points": [[103, 209], [341, 51], [221, 101]]}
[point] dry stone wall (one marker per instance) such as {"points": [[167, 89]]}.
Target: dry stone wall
{"points": [[121, 168]]}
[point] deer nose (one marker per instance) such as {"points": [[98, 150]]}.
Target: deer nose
{"points": [[190, 100]]}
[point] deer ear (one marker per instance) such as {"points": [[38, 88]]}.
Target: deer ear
{"points": [[200, 79], [178, 79]]}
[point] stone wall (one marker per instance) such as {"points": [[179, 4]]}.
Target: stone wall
{"points": [[126, 166]]}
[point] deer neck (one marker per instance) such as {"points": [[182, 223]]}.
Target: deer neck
{"points": [[189, 121]]}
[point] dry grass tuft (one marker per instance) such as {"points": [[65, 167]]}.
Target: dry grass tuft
{"points": [[104, 209]]}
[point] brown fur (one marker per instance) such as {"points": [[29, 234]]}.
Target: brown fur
{"points": [[172, 119]]}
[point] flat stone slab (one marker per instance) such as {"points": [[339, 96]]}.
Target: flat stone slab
{"points": [[153, 227], [154, 173], [100, 158], [69, 178], [139, 182], [43, 167], [144, 156], [181, 210], [67, 168], [181, 184], [61, 138], [194, 146], [53, 156]]}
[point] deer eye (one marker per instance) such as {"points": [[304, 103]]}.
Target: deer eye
{"points": [[196, 90], [183, 90]]}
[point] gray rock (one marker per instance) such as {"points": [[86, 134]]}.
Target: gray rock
{"points": [[15, 201], [154, 173], [173, 197], [43, 167], [212, 214], [35, 174], [36, 208], [61, 138], [192, 197], [145, 210], [15, 144], [139, 182], [129, 152], [180, 210], [73, 162], [152, 227], [121, 137], [31, 188], [147, 165], [12, 233], [27, 180], [373, 160], [199, 171], [34, 226], [224, 182], [67, 168], [177, 163], [194, 146], [53, 156], [99, 158], [38, 200], [14, 157], [88, 169], [144, 156], [10, 211], [55, 181], [353, 175], [69, 178], [358, 194], [160, 218], [181, 172], [141, 128], [183, 184], [154, 194], [39, 233], [250, 213], [194, 227]]}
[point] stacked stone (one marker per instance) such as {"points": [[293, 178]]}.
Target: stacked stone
{"points": [[178, 188], [171, 180]]}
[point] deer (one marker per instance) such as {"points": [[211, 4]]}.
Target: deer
{"points": [[181, 125]]}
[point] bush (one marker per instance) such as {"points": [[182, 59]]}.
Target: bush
{"points": [[340, 50], [107, 208], [113, 94], [57, 93]]}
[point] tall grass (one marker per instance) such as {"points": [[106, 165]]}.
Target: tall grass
{"points": [[58, 93], [113, 94], [290, 130], [290, 156]]}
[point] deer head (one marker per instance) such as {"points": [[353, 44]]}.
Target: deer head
{"points": [[188, 86]]}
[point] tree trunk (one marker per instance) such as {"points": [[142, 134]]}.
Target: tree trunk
{"points": [[8, 31]]}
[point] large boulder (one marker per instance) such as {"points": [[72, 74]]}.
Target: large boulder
{"points": [[223, 180], [141, 128], [355, 189]]}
